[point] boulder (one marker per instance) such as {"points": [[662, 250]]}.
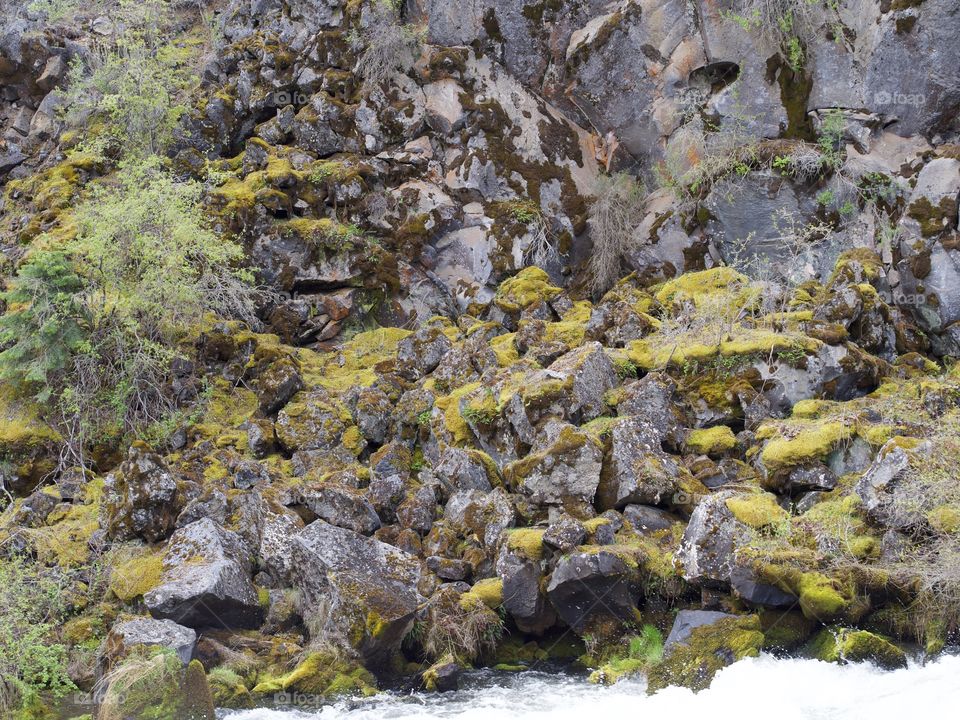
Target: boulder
{"points": [[278, 383], [519, 569], [206, 580], [420, 353], [148, 632], [637, 470], [565, 467], [356, 590], [143, 498], [342, 506], [590, 585]]}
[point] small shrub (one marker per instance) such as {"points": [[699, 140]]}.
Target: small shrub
{"points": [[128, 97], [461, 626], [387, 46], [616, 211], [92, 327], [31, 660]]}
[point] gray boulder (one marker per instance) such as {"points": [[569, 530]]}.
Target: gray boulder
{"points": [[127, 635], [356, 590], [586, 586], [206, 580]]}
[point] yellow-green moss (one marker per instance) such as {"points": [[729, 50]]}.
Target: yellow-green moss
{"points": [[324, 675], [529, 286], [700, 286], [134, 572], [810, 443], [844, 645], [488, 591], [527, 542], [505, 349], [353, 365], [708, 649], [758, 510], [711, 441]]}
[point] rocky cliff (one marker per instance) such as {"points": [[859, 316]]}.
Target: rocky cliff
{"points": [[450, 436]]}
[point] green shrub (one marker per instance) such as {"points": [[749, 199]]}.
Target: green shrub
{"points": [[92, 327], [128, 97], [31, 661]]}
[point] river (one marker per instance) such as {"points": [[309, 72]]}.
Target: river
{"points": [[764, 687]]}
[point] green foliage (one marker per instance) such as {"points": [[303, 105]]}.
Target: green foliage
{"points": [[826, 197], [830, 142], [93, 326], [31, 661], [43, 328], [55, 10], [647, 646], [129, 97]]}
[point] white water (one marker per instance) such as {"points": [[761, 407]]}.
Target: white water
{"points": [[763, 687]]}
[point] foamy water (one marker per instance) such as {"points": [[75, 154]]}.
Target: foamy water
{"points": [[764, 687]]}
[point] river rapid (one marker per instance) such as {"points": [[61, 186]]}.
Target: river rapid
{"points": [[764, 687]]}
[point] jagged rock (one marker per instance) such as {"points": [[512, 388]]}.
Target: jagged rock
{"points": [[418, 511], [929, 268], [420, 353], [565, 534], [342, 506], [385, 494], [148, 632], [211, 504], [812, 477], [590, 375], [646, 519], [637, 470], [460, 470], [566, 466], [318, 427], [144, 498], [359, 591], [878, 485], [652, 399], [588, 585], [205, 580], [486, 515], [685, 623], [372, 413], [519, 569], [278, 383]]}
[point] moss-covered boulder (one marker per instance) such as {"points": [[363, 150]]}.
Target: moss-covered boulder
{"points": [[157, 687], [324, 674], [842, 645], [362, 593], [143, 498], [707, 649], [26, 443]]}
